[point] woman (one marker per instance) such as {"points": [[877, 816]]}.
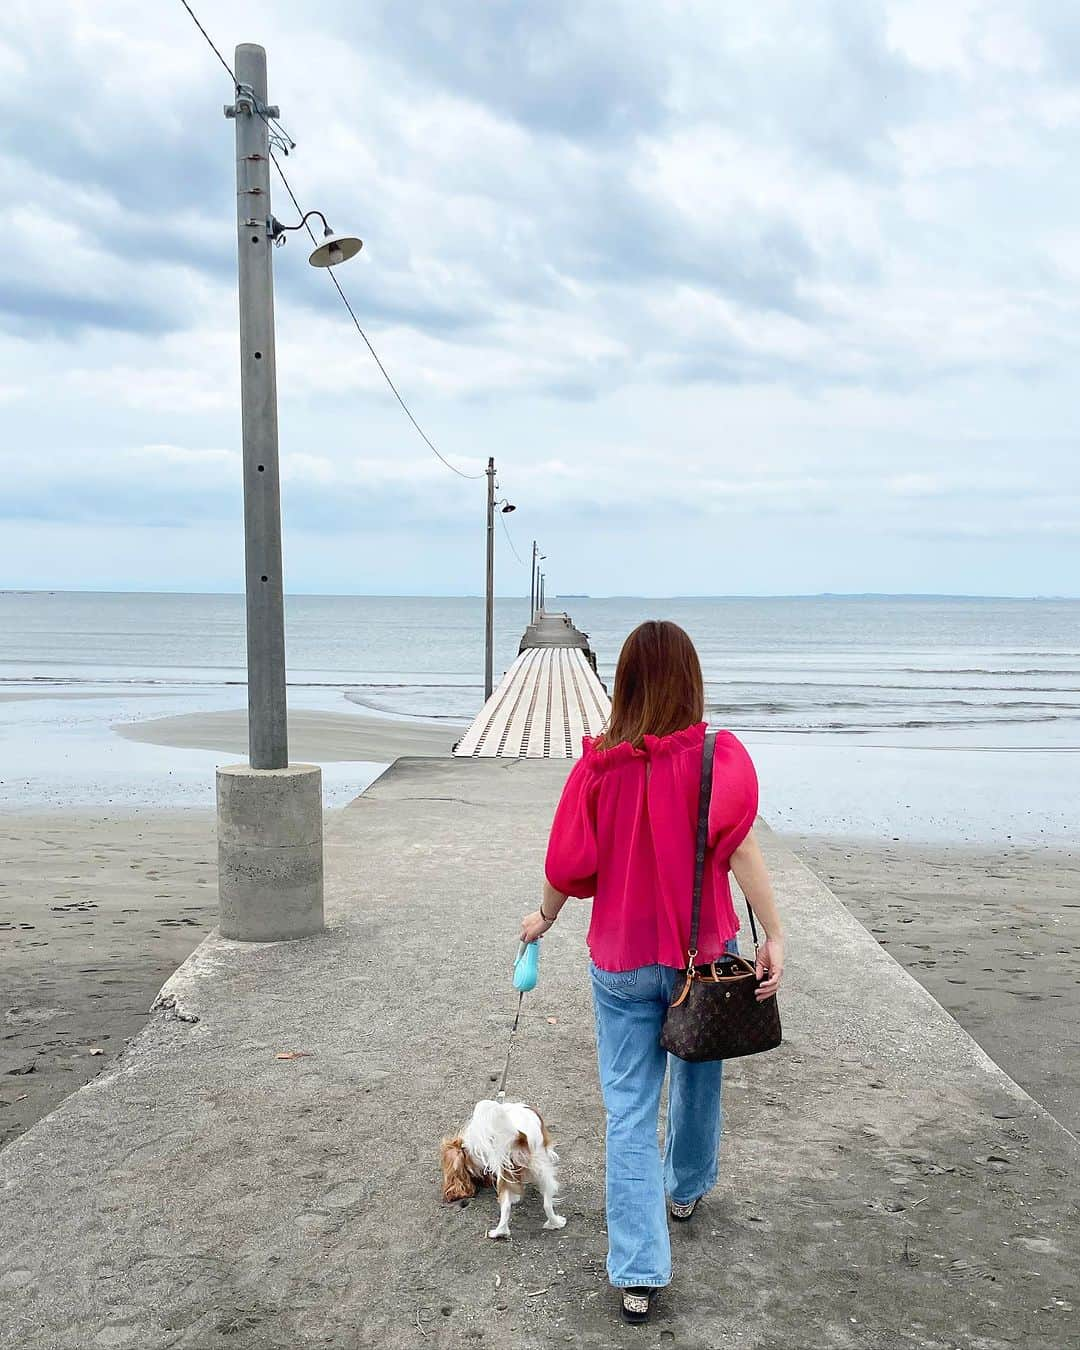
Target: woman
{"points": [[623, 833]]}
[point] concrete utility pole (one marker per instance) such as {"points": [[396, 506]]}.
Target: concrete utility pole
{"points": [[534, 598], [541, 592], [270, 862], [489, 612], [268, 734]]}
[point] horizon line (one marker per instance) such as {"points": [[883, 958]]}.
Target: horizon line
{"points": [[570, 595]]}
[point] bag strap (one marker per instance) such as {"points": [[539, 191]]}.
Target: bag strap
{"points": [[704, 801]]}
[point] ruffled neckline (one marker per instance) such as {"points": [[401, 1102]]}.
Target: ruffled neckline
{"points": [[655, 747]]}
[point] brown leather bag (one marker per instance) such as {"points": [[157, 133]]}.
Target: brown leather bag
{"points": [[716, 1014]]}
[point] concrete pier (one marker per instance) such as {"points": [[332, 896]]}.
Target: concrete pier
{"points": [[555, 630], [548, 699], [883, 1184]]}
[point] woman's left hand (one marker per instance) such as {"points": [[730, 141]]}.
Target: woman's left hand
{"points": [[770, 967], [534, 926]]}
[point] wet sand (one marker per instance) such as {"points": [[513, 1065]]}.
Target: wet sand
{"points": [[99, 904], [994, 935], [319, 737], [96, 912]]}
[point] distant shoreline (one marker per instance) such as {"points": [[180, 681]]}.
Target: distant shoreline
{"points": [[423, 595]]}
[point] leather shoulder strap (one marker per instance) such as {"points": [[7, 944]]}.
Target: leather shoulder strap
{"points": [[704, 799]]}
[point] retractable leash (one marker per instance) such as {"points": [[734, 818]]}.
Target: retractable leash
{"points": [[526, 973]]}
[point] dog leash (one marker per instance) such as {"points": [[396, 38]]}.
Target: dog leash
{"points": [[526, 971], [510, 1049]]}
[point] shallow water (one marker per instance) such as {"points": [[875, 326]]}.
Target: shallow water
{"points": [[924, 717]]}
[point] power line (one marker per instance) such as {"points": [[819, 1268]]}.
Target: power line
{"points": [[352, 315], [280, 137], [506, 531], [209, 40]]}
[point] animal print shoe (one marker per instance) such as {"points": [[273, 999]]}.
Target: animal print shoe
{"points": [[680, 1213], [637, 1302]]}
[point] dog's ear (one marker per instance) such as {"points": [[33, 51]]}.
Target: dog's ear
{"points": [[458, 1181]]}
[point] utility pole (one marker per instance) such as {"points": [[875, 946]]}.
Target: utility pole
{"points": [[489, 612], [268, 735], [532, 585], [270, 861], [541, 592]]}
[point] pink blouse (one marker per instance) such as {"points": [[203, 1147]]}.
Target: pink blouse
{"points": [[624, 833]]}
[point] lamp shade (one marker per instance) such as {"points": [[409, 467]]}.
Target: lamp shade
{"points": [[334, 249]]}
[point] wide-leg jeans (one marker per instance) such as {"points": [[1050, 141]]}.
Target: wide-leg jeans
{"points": [[630, 1007]]}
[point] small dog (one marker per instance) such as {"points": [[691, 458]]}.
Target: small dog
{"points": [[504, 1145]]}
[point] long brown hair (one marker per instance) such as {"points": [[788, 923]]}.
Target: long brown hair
{"points": [[658, 685]]}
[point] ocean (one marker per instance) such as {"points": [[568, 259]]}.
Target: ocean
{"points": [[938, 717]]}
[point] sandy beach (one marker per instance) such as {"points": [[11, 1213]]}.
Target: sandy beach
{"points": [[99, 906], [994, 935], [319, 737], [96, 912]]}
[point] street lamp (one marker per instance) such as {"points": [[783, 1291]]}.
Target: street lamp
{"points": [[270, 873], [534, 582], [334, 249], [489, 608]]}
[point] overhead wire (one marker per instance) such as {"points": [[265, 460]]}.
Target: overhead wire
{"points": [[209, 39], [509, 540], [278, 134], [367, 341], [279, 138]]}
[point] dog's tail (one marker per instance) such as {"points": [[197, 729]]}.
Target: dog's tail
{"points": [[535, 1132]]}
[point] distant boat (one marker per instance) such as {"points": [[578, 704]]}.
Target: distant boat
{"points": [[569, 595]]}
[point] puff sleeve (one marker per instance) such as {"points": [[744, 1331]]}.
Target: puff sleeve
{"points": [[734, 803], [571, 860]]}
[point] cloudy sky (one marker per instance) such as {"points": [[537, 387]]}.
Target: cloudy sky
{"points": [[772, 298]]}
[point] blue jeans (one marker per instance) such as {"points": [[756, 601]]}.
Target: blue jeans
{"points": [[630, 1007]]}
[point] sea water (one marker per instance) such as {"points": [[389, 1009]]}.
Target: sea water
{"points": [[921, 717]]}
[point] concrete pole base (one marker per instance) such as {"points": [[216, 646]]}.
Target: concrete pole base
{"points": [[270, 852]]}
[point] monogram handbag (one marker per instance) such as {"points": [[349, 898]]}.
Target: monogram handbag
{"points": [[715, 1014]]}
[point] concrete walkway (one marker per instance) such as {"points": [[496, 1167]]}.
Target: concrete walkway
{"points": [[883, 1183], [554, 629]]}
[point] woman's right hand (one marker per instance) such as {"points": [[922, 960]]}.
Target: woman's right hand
{"points": [[770, 967], [534, 926]]}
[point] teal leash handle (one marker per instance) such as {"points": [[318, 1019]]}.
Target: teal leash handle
{"points": [[527, 967], [526, 973]]}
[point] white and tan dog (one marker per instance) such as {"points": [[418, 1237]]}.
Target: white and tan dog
{"points": [[506, 1146]]}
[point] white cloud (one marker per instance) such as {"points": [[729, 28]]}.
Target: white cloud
{"points": [[685, 272]]}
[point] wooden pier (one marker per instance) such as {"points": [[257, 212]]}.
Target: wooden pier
{"points": [[549, 698]]}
